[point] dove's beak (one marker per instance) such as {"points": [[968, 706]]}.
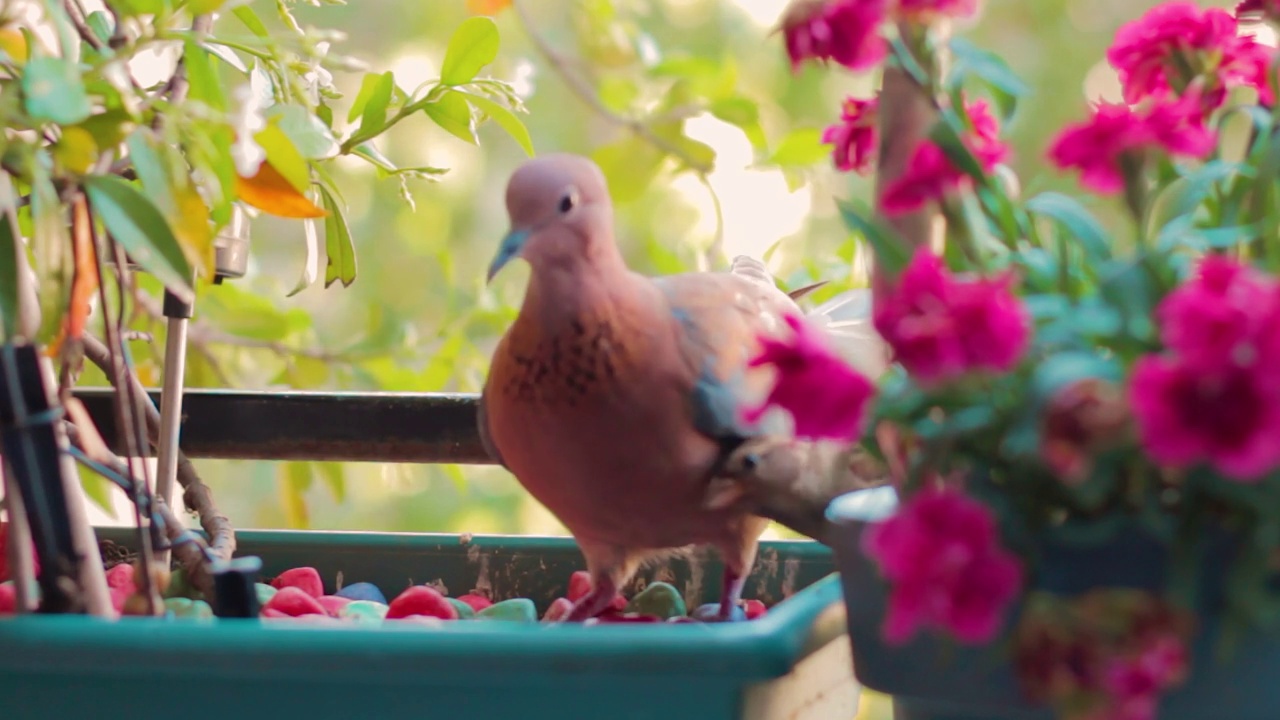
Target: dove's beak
{"points": [[511, 246]]}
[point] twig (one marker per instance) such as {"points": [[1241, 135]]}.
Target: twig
{"points": [[196, 495], [584, 92], [76, 14]]}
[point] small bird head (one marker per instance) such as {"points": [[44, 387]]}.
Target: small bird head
{"points": [[559, 209]]}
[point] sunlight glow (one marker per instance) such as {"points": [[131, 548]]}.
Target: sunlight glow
{"points": [[763, 12], [757, 206]]}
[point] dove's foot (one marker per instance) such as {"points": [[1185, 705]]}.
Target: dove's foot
{"points": [[731, 597], [595, 602]]}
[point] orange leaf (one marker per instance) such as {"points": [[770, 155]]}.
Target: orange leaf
{"points": [[84, 280], [487, 7], [270, 192]]}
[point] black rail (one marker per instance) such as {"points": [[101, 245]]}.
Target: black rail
{"points": [[352, 426]]}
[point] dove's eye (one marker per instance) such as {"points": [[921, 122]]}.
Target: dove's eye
{"points": [[750, 462], [568, 202]]}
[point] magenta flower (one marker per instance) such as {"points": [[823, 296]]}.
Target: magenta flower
{"points": [[845, 31], [924, 11], [1226, 316], [1229, 419], [1100, 146], [854, 137], [1136, 683], [931, 174], [941, 327], [1176, 43], [826, 397], [942, 558]]}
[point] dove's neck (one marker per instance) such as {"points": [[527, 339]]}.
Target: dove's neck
{"points": [[568, 287]]}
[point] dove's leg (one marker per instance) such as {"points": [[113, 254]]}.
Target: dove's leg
{"points": [[610, 568], [739, 557]]}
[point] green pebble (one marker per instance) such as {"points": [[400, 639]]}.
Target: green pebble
{"points": [[661, 599], [180, 586], [465, 611], [363, 611], [517, 609], [188, 608], [265, 592]]}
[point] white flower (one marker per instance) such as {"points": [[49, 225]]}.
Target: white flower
{"points": [[247, 119]]}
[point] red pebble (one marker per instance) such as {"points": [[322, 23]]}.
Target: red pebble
{"points": [[295, 601], [754, 609], [8, 599], [421, 600], [558, 609], [477, 602], [332, 603], [267, 612], [580, 585], [306, 579]]}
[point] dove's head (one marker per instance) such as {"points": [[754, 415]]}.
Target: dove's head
{"points": [[560, 213]]}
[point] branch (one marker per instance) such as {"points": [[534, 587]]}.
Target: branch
{"points": [[76, 14], [196, 495]]}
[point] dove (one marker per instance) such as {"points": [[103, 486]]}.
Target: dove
{"points": [[613, 397]]}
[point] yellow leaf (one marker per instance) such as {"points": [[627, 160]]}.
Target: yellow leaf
{"points": [[270, 192], [14, 44], [284, 156], [76, 150], [487, 7], [190, 224]]}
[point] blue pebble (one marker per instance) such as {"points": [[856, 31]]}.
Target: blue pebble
{"points": [[362, 591], [710, 612]]}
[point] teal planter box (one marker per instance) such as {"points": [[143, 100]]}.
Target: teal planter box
{"points": [[792, 663]]}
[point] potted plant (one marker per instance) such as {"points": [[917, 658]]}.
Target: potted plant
{"points": [[1081, 423]]}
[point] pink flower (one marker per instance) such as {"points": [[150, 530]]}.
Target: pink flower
{"points": [[1135, 683], [1176, 43], [1100, 146], [942, 327], [846, 31], [931, 175], [826, 397], [854, 136], [1229, 418], [923, 11], [1227, 315], [942, 558]]}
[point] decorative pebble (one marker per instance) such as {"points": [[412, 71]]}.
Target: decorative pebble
{"points": [[8, 598], [558, 610], [424, 620], [366, 611], [332, 604], [188, 608], [306, 579], [613, 616], [580, 585], [660, 598], [477, 602], [137, 605], [180, 587], [295, 601], [421, 600], [362, 591], [710, 612], [465, 611], [517, 609], [754, 609], [265, 593]]}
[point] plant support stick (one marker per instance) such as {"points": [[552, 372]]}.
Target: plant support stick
{"points": [[175, 360]]}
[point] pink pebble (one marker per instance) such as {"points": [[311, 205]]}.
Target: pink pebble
{"points": [[421, 600], [422, 620], [295, 601], [306, 579], [272, 613], [580, 585], [332, 603], [121, 577], [8, 599], [754, 609], [477, 602], [558, 610]]}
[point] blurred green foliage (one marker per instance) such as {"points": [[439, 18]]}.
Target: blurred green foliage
{"points": [[703, 78]]}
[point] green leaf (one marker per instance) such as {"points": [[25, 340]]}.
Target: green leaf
{"points": [[744, 114], [101, 24], [251, 21], [10, 246], [373, 110], [311, 264], [226, 55], [54, 91], [375, 157], [149, 168], [284, 157], [1076, 219], [800, 148], [947, 133], [990, 68], [629, 165], [307, 132], [247, 315], [97, 489], [473, 45], [1184, 195], [140, 228], [452, 113], [506, 119], [137, 7], [332, 475], [368, 85], [1059, 370], [205, 86], [295, 481], [890, 252], [338, 247]]}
